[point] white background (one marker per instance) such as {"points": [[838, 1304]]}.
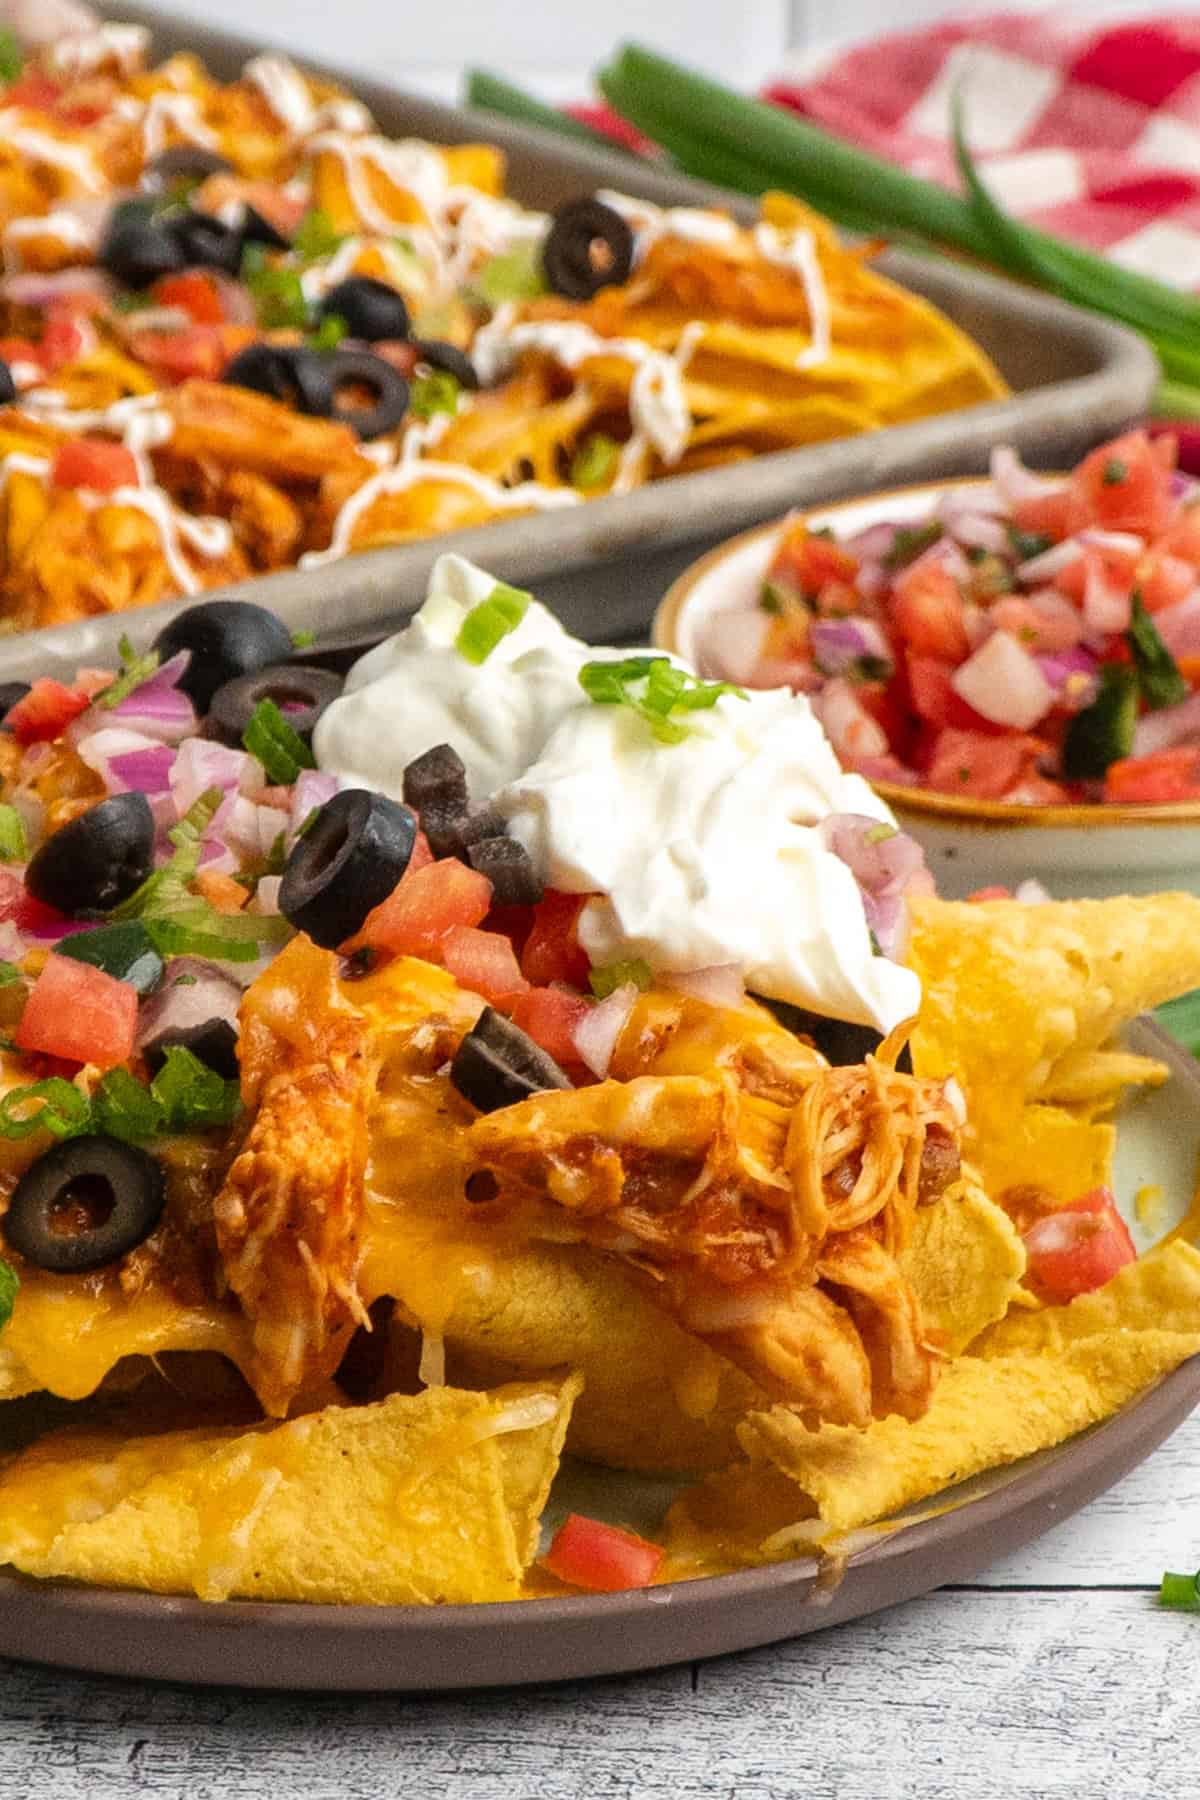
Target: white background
{"points": [[550, 45]]}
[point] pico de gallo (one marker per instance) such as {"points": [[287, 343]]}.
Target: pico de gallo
{"points": [[1033, 641]]}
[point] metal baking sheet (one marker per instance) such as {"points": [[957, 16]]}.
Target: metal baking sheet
{"points": [[603, 566]]}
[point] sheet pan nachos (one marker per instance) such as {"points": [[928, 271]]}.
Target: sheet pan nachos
{"points": [[241, 329], [378, 1121]]}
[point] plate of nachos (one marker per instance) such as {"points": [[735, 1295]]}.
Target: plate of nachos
{"points": [[509, 1171]]}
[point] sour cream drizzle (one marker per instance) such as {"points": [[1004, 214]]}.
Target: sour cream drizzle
{"points": [[690, 224], [174, 112], [83, 53], [39, 146], [66, 227], [797, 252]]}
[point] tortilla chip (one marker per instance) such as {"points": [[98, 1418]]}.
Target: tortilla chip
{"points": [[1161, 1291], [965, 1262], [985, 1413], [1049, 1148], [734, 1519], [1095, 1078], [406, 1501], [1011, 989]]}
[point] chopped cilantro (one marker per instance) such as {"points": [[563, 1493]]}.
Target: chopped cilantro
{"points": [[1028, 544]]}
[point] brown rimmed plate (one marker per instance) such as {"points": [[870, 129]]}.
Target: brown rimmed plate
{"points": [[252, 1644]]}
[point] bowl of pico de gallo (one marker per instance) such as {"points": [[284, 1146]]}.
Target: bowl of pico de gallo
{"points": [[1013, 662]]}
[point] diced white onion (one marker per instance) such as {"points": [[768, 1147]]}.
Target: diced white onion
{"points": [[1004, 684]]}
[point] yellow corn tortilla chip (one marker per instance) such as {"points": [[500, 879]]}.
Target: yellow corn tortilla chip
{"points": [[1161, 1290], [985, 1413], [1009, 989], [1049, 1148], [1095, 1077], [406, 1501], [965, 1262]]}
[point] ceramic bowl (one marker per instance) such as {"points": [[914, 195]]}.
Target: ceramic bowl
{"points": [[969, 844]]}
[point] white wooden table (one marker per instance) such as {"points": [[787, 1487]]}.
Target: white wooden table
{"points": [[1054, 1675]]}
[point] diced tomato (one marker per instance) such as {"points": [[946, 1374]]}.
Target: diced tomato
{"points": [[1182, 540], [552, 952], [1154, 780], [1125, 487], [425, 905], [18, 905], [61, 342], [804, 563], [935, 701], [550, 1016], [19, 350], [983, 768], [1057, 515], [927, 610], [483, 961], [995, 892], [93, 463], [195, 293], [199, 351], [1078, 1248], [1164, 580], [421, 853], [890, 705], [34, 90], [45, 711], [78, 1012], [588, 1554], [1164, 448]]}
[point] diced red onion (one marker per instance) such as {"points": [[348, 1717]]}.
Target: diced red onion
{"points": [[945, 555], [203, 764], [1050, 563], [957, 504], [850, 729], [163, 713], [1179, 626], [1031, 892], [192, 992], [1060, 666], [887, 865], [216, 856], [253, 829], [98, 749], [979, 532], [837, 644], [313, 788], [1003, 683], [1015, 482], [149, 771], [873, 543], [1163, 730], [886, 768], [785, 672], [721, 985], [236, 301], [596, 1034], [1119, 543], [732, 645], [168, 674], [12, 944], [1106, 608]]}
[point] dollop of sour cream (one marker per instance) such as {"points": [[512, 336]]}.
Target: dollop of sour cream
{"points": [[702, 852]]}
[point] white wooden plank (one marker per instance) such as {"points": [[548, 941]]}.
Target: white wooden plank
{"points": [[960, 1696]]}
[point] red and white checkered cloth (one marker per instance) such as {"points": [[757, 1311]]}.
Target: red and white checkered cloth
{"points": [[1093, 133]]}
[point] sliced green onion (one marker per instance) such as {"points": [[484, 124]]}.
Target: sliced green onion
{"points": [[14, 846], [280, 750], [1181, 1018], [1180, 1592], [64, 1111], [12, 60], [605, 981], [125, 1108], [594, 463], [10, 1282], [315, 236], [200, 933], [655, 688], [279, 299], [513, 275], [329, 333], [167, 888], [436, 392], [303, 640], [9, 972], [192, 1096], [1157, 671], [493, 94], [487, 624], [134, 670]]}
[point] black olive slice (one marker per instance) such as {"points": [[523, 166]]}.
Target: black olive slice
{"points": [[123, 951], [214, 1043], [497, 1064], [10, 693], [299, 378], [509, 868], [225, 638], [206, 242], [589, 247], [370, 310], [300, 693], [840, 1043], [345, 865], [362, 368], [447, 357], [183, 163], [258, 230], [8, 387], [86, 1203], [98, 859], [138, 249]]}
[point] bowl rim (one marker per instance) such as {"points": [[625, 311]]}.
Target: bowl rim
{"points": [[951, 808]]}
